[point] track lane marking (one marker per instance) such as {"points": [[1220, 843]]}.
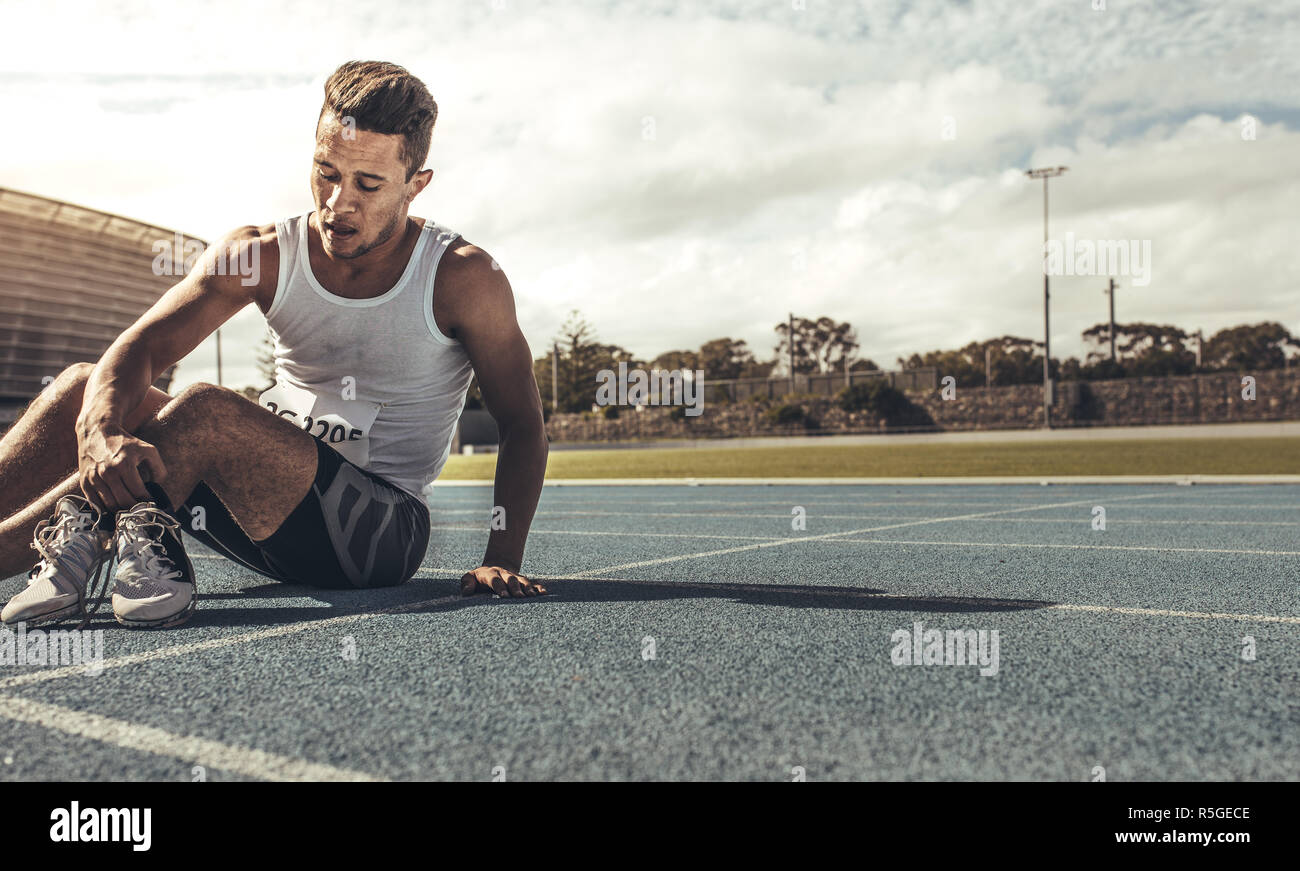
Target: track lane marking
{"points": [[602, 512], [788, 540], [1069, 546], [216, 643], [1082, 521], [263, 764], [187, 748], [830, 536], [996, 604]]}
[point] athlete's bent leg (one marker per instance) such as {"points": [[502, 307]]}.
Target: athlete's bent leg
{"points": [[38, 460], [260, 465]]}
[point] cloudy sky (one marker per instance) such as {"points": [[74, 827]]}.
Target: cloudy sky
{"points": [[683, 171]]}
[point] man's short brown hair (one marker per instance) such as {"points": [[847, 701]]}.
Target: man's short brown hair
{"points": [[384, 98]]}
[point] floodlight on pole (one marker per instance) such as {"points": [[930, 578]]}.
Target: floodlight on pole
{"points": [[1046, 173]]}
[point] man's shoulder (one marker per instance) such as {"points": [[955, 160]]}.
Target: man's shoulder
{"points": [[466, 260], [469, 281], [249, 235], [251, 252]]}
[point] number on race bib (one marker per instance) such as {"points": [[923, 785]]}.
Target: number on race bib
{"points": [[342, 425]]}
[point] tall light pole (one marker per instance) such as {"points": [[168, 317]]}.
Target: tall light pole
{"points": [[555, 376], [1045, 174], [1110, 291], [792, 352]]}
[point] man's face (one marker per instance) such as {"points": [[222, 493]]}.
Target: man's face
{"points": [[359, 186]]}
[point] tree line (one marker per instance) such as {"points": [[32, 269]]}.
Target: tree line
{"points": [[823, 345], [1141, 349]]}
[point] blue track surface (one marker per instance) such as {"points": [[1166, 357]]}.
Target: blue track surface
{"points": [[1119, 648]]}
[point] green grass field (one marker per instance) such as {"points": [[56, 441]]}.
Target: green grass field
{"points": [[1222, 456]]}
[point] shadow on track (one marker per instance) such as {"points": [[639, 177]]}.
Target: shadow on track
{"points": [[341, 603]]}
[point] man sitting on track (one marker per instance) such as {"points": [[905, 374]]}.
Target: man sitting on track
{"points": [[380, 320]]}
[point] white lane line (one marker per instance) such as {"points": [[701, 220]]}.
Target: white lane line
{"points": [[1142, 521], [812, 498], [962, 480], [809, 499], [1069, 546], [741, 515], [838, 499], [201, 751], [1190, 615], [1003, 604], [159, 742], [215, 643], [1084, 521], [898, 541], [536, 531], [789, 540], [833, 535], [564, 512], [641, 508]]}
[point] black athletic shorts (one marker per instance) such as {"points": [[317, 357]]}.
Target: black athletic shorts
{"points": [[352, 529]]}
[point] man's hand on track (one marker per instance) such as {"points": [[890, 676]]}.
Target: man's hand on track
{"points": [[499, 581]]}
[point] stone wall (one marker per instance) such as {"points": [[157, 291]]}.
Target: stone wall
{"points": [[1128, 402]]}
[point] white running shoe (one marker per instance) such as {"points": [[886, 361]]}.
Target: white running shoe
{"points": [[73, 551], [155, 578]]}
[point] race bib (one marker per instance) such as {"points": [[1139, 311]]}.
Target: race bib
{"points": [[343, 424]]}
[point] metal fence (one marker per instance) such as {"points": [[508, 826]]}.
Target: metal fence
{"points": [[827, 384]]}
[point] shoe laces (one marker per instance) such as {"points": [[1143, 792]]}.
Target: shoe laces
{"points": [[54, 536], [135, 529]]}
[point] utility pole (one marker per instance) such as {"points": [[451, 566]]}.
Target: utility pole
{"points": [[555, 376], [1045, 174], [1110, 291], [988, 365], [792, 352], [1200, 341]]}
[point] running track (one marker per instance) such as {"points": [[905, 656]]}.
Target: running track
{"points": [[1118, 648]]}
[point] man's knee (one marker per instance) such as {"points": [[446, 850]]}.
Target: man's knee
{"points": [[68, 390], [64, 392], [198, 408], [77, 373], [202, 391], [209, 400], [71, 382]]}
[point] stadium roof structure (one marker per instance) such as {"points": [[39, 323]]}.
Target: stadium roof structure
{"points": [[72, 279], [88, 220]]}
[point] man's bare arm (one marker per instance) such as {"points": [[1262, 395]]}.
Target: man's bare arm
{"points": [[173, 327], [109, 458], [487, 326]]}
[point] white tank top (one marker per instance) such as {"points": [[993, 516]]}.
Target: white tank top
{"points": [[373, 378]]}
